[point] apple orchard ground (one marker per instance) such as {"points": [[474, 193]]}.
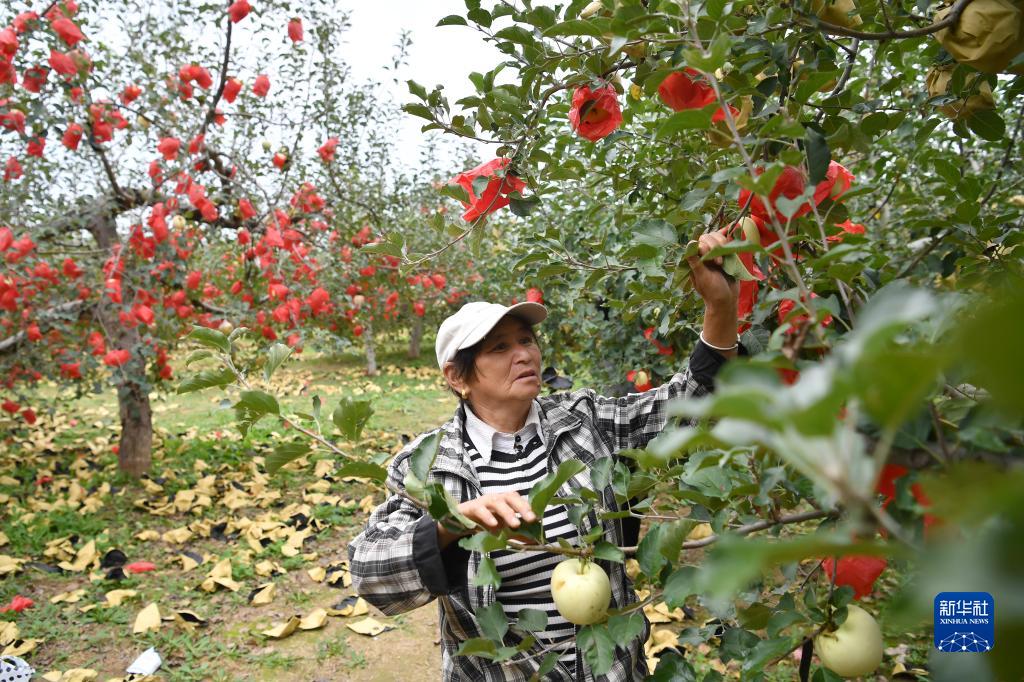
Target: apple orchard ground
{"points": [[206, 501]]}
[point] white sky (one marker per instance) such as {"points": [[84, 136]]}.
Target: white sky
{"points": [[443, 55]]}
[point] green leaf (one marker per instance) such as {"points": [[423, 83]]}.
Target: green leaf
{"points": [[734, 267], [351, 416], [648, 552], [736, 644], [211, 338], [626, 627], [688, 119], [608, 551], [494, 625], [818, 155], [672, 667], [987, 124], [420, 110], [363, 470], [516, 34], [523, 207], [532, 620], [417, 89], [713, 59], [988, 340], [739, 246], [452, 20], [595, 27], [276, 354], [597, 646], [208, 378], [422, 458], [253, 406], [544, 490], [443, 506], [197, 355], [284, 453], [655, 232], [679, 585], [258, 402], [488, 575], [478, 646]]}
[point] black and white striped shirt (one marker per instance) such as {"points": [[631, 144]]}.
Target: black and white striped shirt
{"points": [[515, 463]]}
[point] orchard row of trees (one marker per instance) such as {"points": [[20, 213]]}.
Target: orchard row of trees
{"points": [[207, 166]]}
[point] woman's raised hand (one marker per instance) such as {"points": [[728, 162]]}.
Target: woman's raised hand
{"points": [[711, 283]]}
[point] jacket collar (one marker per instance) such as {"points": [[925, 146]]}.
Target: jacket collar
{"points": [[484, 436], [451, 454]]}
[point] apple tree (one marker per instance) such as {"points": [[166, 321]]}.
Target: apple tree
{"points": [[864, 158], [164, 169]]}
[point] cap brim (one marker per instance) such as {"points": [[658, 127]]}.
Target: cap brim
{"points": [[534, 313], [528, 311]]}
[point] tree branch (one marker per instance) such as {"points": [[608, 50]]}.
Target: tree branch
{"points": [[212, 111], [11, 343], [950, 19]]}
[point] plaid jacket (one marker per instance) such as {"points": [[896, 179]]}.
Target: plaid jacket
{"points": [[396, 563]]}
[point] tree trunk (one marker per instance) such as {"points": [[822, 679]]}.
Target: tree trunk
{"points": [[135, 447], [415, 337], [371, 351]]}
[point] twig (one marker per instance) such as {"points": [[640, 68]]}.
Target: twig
{"points": [[754, 527]]}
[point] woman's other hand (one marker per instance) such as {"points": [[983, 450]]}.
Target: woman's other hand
{"points": [[493, 512]]}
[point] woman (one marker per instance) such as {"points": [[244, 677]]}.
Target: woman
{"points": [[501, 440]]}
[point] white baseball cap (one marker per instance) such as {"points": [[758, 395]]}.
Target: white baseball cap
{"points": [[474, 320]]}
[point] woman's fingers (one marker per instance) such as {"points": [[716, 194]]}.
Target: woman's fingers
{"points": [[506, 513], [499, 510], [709, 241], [484, 517], [520, 504]]}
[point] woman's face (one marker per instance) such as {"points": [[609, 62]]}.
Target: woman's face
{"points": [[508, 365]]}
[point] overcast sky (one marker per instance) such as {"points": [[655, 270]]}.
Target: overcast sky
{"points": [[439, 54]]}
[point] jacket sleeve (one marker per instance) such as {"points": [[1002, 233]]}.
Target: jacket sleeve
{"points": [[396, 563], [632, 421]]}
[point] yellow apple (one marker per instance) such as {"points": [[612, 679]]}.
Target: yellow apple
{"points": [[358, 300], [855, 648], [592, 9], [581, 591], [178, 222], [226, 327], [750, 231], [700, 531]]}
